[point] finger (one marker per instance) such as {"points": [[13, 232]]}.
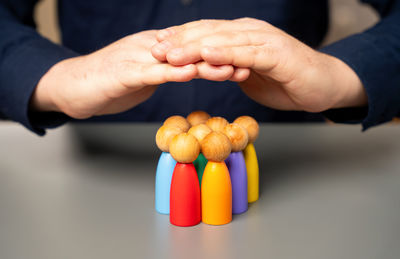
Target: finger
{"points": [[159, 50], [155, 74], [165, 33], [127, 101], [199, 28], [168, 32], [254, 57], [268, 93], [214, 73], [177, 36], [182, 56], [240, 75], [191, 52]]}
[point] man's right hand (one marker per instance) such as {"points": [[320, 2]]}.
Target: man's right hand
{"points": [[115, 78]]}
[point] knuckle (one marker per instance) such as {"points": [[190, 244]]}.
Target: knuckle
{"points": [[246, 19], [253, 50], [206, 21], [207, 41], [279, 43], [251, 20], [208, 24]]}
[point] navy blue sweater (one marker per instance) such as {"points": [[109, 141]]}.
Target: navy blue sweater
{"points": [[91, 24]]}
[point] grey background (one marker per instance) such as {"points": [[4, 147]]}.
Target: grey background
{"points": [[327, 192]]}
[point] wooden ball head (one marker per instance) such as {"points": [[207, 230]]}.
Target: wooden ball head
{"points": [[217, 124], [216, 147], [178, 121], [184, 148], [200, 131], [164, 136], [237, 135], [197, 117], [251, 125]]}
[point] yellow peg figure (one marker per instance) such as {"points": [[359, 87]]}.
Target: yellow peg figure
{"points": [[216, 187], [250, 157]]}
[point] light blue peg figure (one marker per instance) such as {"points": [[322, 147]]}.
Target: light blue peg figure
{"points": [[165, 167]]}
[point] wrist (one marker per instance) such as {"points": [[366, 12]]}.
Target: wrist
{"points": [[42, 98], [351, 92]]}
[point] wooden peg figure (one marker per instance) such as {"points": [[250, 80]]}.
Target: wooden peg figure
{"points": [[198, 117], [237, 167], [200, 131], [185, 205], [216, 188], [250, 157], [177, 121], [165, 167]]}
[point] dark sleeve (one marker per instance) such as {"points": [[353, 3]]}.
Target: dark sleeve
{"points": [[375, 56], [25, 57]]}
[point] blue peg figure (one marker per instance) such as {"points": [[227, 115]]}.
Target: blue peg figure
{"points": [[165, 167]]}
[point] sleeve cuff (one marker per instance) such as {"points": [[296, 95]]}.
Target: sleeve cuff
{"points": [[347, 115], [22, 67], [375, 62]]}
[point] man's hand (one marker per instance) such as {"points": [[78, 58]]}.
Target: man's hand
{"points": [[114, 79], [284, 73]]}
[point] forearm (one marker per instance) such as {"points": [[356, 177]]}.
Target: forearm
{"points": [[25, 58], [374, 56]]}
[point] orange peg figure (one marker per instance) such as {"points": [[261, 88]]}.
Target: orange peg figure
{"points": [[216, 187]]}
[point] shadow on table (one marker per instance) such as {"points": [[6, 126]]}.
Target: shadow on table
{"points": [[284, 152], [327, 151]]}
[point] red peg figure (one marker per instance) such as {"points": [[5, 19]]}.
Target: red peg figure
{"points": [[250, 157], [185, 206], [216, 187], [200, 131], [198, 117]]}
